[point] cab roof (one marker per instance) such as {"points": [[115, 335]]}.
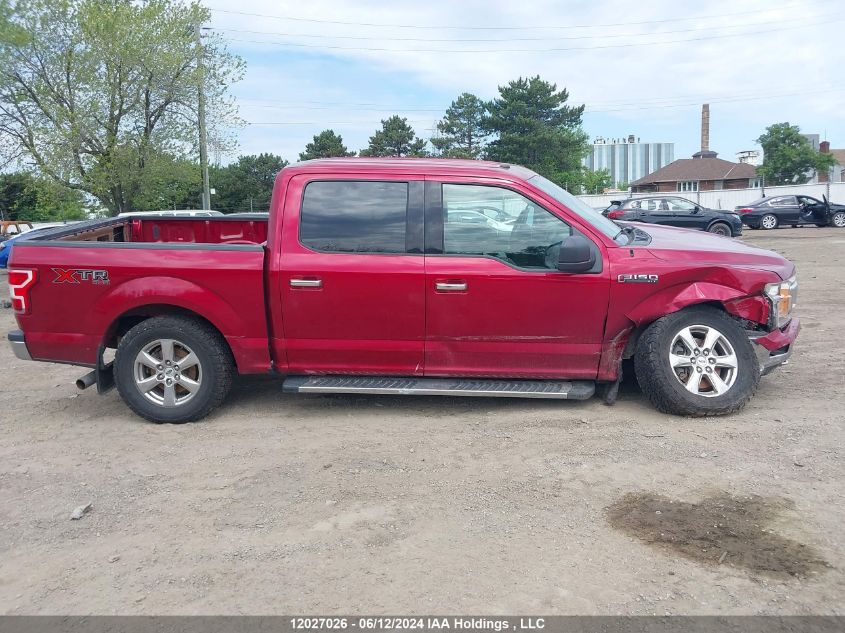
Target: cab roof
{"points": [[414, 166]]}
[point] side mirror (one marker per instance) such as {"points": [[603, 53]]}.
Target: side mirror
{"points": [[576, 255]]}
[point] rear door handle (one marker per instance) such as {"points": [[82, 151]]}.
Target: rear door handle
{"points": [[306, 283], [450, 286]]}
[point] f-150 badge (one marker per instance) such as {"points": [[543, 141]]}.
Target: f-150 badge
{"points": [[78, 275], [637, 279]]}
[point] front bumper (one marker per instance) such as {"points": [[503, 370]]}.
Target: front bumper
{"points": [[775, 348], [18, 344]]}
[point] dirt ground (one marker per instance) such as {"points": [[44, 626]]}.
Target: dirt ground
{"points": [[282, 504]]}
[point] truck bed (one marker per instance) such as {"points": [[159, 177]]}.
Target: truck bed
{"points": [[233, 229], [98, 276]]}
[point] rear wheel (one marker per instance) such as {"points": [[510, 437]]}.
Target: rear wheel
{"points": [[838, 219], [720, 228], [769, 221], [173, 369], [696, 362]]}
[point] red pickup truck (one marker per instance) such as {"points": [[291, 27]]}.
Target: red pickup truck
{"points": [[404, 276]]}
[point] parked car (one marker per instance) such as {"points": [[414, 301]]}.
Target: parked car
{"points": [[6, 245], [356, 284], [770, 212], [675, 211], [10, 228]]}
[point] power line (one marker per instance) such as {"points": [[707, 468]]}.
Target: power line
{"points": [[515, 39], [501, 28], [374, 106], [536, 50], [587, 110]]}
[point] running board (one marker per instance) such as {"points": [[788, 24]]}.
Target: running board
{"points": [[563, 390]]}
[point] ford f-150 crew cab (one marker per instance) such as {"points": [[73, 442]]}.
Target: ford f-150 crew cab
{"points": [[404, 276]]}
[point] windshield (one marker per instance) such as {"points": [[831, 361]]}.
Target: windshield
{"points": [[587, 213]]}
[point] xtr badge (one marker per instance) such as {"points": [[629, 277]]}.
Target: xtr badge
{"points": [[637, 279], [79, 275]]}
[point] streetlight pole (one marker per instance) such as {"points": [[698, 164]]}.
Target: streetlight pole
{"points": [[206, 189]]}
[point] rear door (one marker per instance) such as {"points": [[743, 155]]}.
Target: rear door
{"points": [[785, 208], [658, 211], [352, 279], [496, 305]]}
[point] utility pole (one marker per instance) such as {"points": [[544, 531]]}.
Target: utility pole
{"points": [[206, 190]]}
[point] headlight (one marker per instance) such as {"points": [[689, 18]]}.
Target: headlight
{"points": [[783, 296]]}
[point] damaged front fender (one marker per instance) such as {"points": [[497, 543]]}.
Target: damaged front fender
{"points": [[681, 296]]}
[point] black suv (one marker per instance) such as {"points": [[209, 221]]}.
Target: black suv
{"points": [[675, 211]]}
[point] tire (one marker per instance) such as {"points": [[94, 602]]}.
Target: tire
{"points": [[769, 221], [719, 228], [155, 389], [682, 391], [838, 219]]}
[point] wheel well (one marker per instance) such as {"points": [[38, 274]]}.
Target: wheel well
{"points": [[126, 321], [633, 339]]}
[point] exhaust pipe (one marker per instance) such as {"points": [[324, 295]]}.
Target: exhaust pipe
{"points": [[87, 380]]}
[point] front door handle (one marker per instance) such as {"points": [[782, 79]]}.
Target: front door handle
{"points": [[451, 286], [306, 283]]}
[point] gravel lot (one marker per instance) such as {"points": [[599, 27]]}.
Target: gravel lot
{"points": [[327, 504]]}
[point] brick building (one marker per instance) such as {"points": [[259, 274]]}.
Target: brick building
{"points": [[703, 172]]}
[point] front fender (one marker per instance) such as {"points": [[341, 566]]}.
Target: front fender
{"points": [[679, 297]]}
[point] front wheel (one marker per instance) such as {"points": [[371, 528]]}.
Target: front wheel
{"points": [[173, 369], [769, 221], [696, 362], [720, 228], [838, 219]]}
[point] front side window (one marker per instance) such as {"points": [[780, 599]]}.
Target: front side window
{"points": [[496, 222], [354, 216]]}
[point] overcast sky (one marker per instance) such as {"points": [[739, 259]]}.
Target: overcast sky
{"points": [[641, 68]]}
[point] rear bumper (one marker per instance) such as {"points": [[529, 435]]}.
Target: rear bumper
{"points": [[18, 345], [775, 348]]}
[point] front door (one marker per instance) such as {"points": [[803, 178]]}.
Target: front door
{"points": [[352, 279], [687, 214], [496, 305]]}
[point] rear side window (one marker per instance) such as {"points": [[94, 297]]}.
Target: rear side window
{"points": [[354, 216]]}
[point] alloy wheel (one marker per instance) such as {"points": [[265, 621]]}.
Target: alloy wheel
{"points": [[703, 360], [167, 372]]}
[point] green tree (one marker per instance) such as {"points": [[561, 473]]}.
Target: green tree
{"points": [[595, 181], [460, 133], [326, 144], [166, 182], [788, 157], [246, 184], [535, 128], [395, 138], [95, 91], [25, 196]]}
